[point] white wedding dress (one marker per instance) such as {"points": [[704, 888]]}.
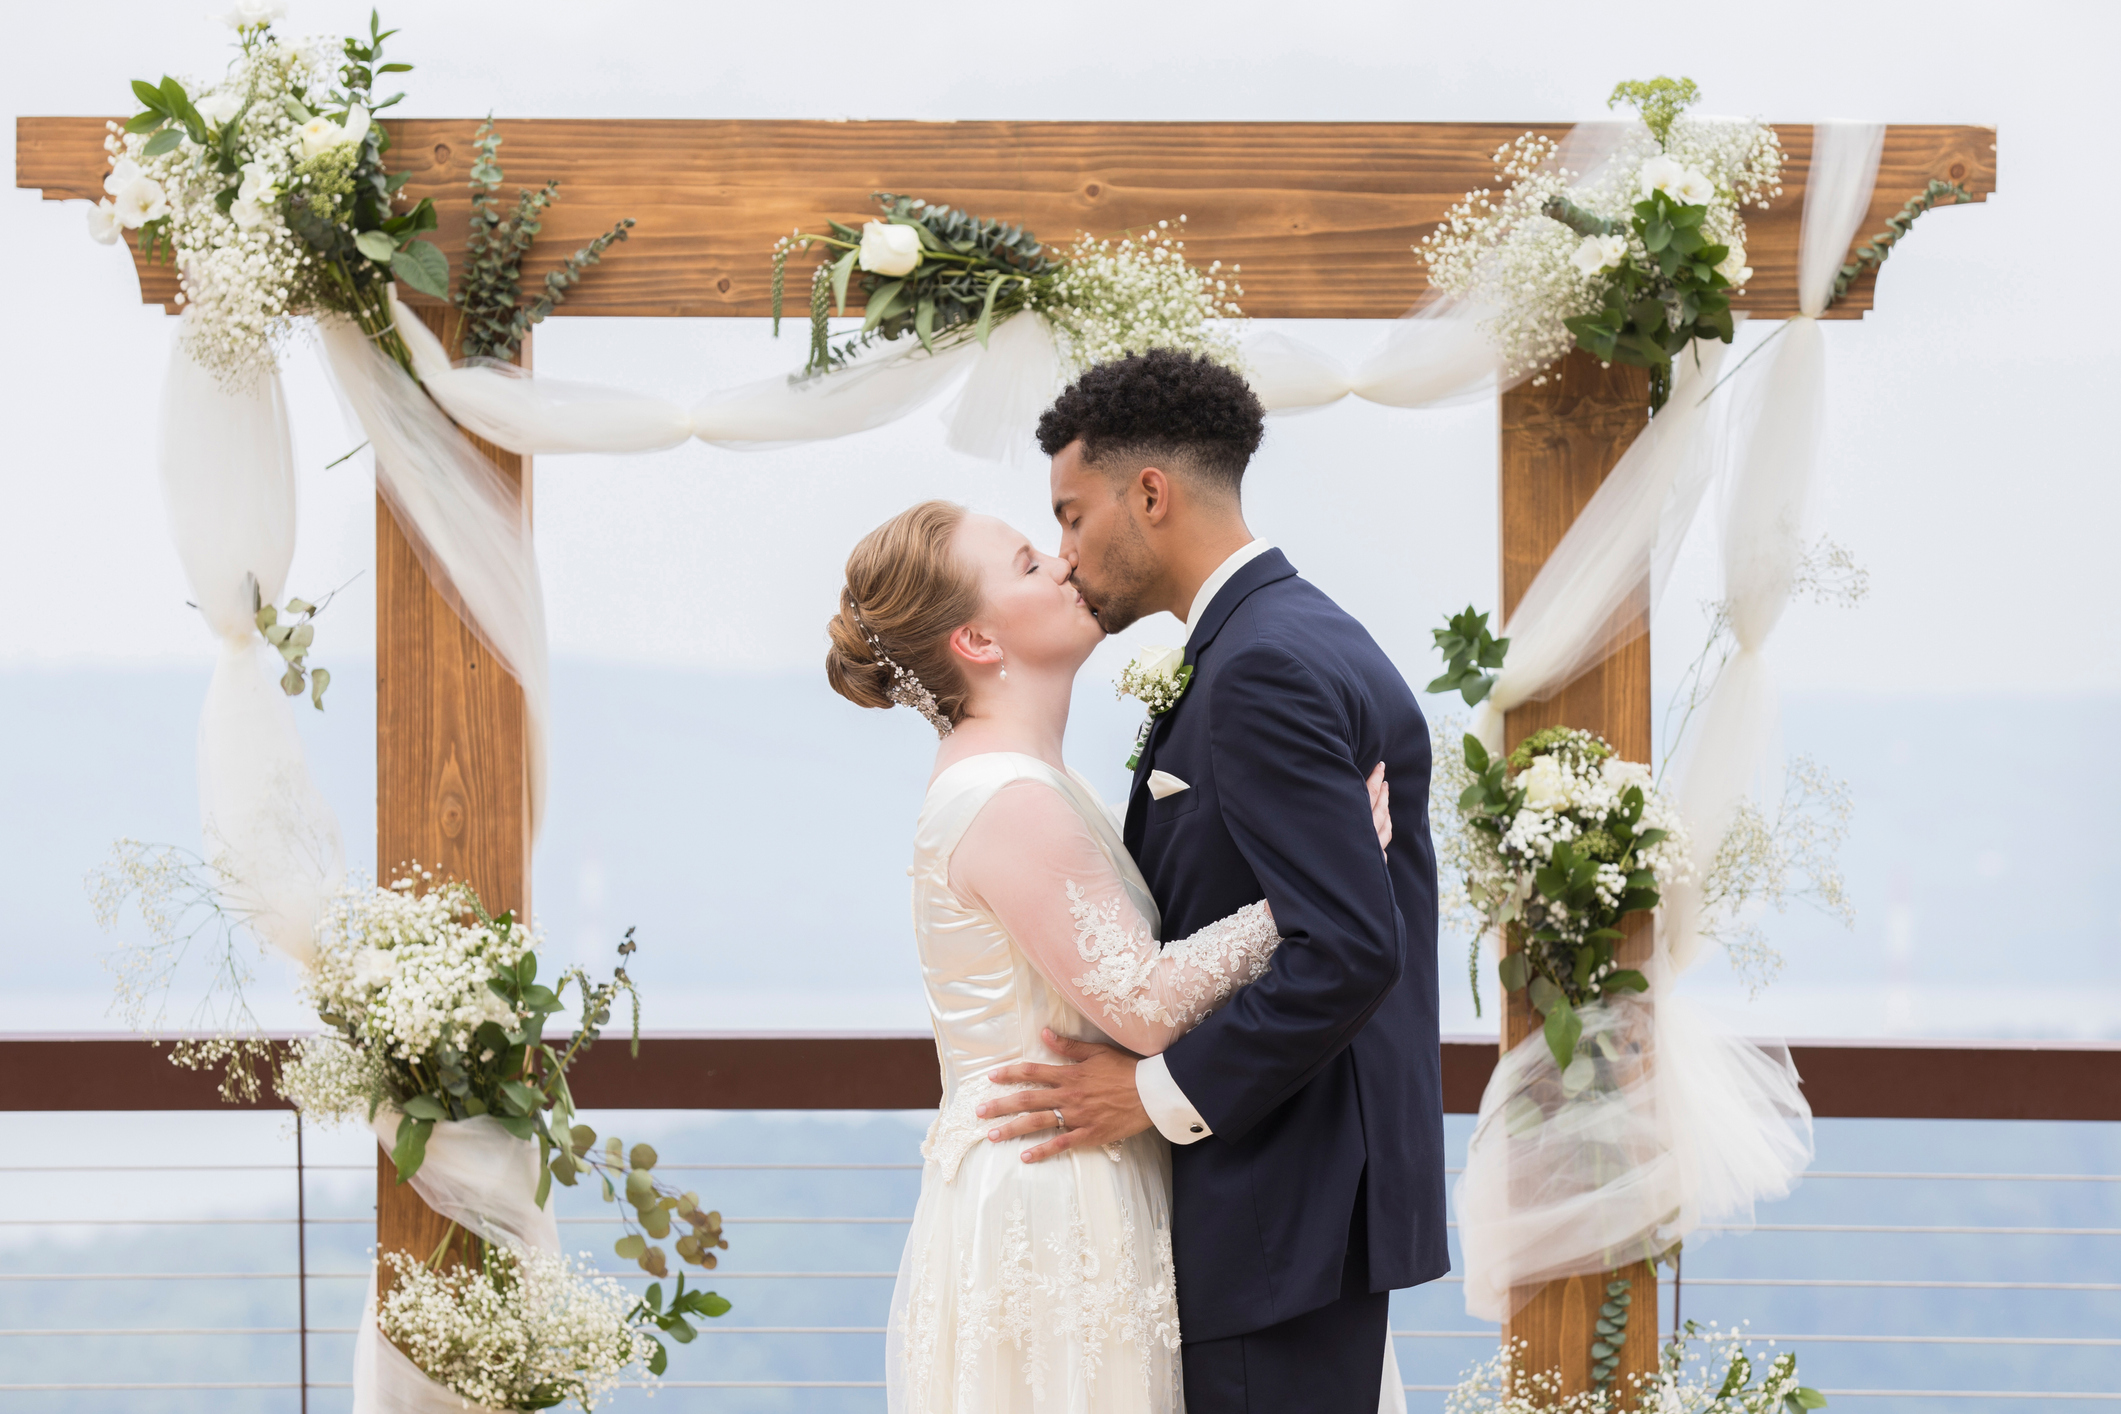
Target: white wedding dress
{"points": [[1045, 1288]]}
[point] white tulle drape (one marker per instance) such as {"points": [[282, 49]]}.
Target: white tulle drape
{"points": [[1772, 462], [1668, 1123], [228, 480], [463, 518], [485, 1180]]}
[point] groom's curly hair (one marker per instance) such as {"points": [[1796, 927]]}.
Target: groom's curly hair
{"points": [[1158, 406]]}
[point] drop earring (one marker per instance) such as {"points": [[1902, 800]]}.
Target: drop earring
{"points": [[1004, 658]]}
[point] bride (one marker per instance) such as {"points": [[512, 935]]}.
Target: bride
{"points": [[1026, 1287]]}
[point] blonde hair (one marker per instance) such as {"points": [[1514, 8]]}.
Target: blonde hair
{"points": [[906, 591]]}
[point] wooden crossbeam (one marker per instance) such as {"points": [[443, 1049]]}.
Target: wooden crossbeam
{"points": [[1320, 215]]}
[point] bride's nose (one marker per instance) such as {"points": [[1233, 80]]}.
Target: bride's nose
{"points": [[1060, 569]]}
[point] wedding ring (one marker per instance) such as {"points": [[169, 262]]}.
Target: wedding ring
{"points": [[1060, 1120]]}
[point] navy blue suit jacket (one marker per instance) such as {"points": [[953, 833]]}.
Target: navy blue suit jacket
{"points": [[1327, 1070]]}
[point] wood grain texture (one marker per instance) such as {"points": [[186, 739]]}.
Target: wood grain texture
{"points": [[452, 778], [1559, 442], [1321, 216]]}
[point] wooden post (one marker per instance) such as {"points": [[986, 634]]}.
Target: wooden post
{"points": [[452, 771], [1558, 443]]}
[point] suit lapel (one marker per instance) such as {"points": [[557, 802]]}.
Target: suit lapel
{"points": [[1261, 570]]}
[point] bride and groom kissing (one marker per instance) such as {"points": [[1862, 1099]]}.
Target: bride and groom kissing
{"points": [[1190, 1060]]}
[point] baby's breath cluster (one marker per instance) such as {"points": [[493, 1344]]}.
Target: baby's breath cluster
{"points": [[246, 277], [1556, 245], [1118, 297], [526, 1330], [1705, 1371]]}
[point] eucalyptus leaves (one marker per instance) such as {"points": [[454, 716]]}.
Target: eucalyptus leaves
{"points": [[289, 630]]}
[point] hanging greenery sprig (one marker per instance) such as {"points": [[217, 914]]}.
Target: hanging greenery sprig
{"points": [[494, 319]]}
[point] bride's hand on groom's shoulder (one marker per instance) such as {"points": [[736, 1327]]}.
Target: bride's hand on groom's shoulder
{"points": [[1091, 1100]]}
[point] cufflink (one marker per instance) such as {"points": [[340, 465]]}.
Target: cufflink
{"points": [[1199, 1128]]}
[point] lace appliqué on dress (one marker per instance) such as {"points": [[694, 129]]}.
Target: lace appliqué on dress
{"points": [[957, 1127], [1029, 1304], [1202, 970]]}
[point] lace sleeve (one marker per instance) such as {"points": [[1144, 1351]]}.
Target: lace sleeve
{"points": [[1031, 861]]}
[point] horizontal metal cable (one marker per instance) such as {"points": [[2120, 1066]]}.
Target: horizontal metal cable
{"points": [[363, 1276], [1970, 1394], [743, 1384], [1896, 1285], [1945, 1339], [1939, 1231], [276, 1384], [188, 1330], [1894, 1175]]}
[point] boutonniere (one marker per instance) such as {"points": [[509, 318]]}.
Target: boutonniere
{"points": [[1158, 677]]}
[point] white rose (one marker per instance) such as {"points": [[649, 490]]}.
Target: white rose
{"points": [[1546, 785], [246, 214], [247, 14], [374, 966], [142, 201], [256, 183], [889, 249], [1657, 174], [1693, 188], [1734, 267], [103, 222], [123, 174], [1598, 253], [1154, 661], [218, 108], [319, 136]]}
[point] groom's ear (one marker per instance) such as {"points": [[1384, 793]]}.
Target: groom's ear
{"points": [[1153, 486]]}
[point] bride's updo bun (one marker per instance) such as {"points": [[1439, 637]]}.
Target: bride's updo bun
{"points": [[910, 590]]}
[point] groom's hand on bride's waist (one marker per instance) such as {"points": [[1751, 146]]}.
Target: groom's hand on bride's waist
{"points": [[1094, 1096]]}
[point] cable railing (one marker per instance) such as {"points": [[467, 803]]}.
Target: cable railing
{"points": [[1996, 1272]]}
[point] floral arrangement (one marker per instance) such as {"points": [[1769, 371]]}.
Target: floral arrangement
{"points": [[439, 1014], [1631, 262], [1729, 1376], [946, 277], [1559, 842], [267, 189], [1158, 677], [528, 1330]]}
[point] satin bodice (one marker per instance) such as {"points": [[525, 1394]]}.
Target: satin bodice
{"points": [[986, 1000]]}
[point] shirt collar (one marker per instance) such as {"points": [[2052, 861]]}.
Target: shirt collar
{"points": [[1214, 583]]}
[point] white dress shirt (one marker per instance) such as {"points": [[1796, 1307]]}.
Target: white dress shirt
{"points": [[1169, 1109]]}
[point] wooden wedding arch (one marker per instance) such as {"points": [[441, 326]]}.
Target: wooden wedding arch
{"points": [[1321, 216]]}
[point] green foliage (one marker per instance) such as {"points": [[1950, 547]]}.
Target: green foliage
{"points": [[1610, 1333], [1738, 1391], [495, 319], [972, 273], [674, 1320], [1650, 316], [292, 637], [1558, 974], [1472, 656], [1872, 253], [1660, 101]]}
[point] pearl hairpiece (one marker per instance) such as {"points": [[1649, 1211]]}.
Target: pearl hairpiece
{"points": [[906, 689]]}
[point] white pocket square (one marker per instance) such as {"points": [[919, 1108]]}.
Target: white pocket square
{"points": [[1163, 783]]}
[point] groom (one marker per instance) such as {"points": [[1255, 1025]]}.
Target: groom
{"points": [[1307, 1112]]}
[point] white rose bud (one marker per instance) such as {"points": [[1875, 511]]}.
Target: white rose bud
{"points": [[218, 108], [1734, 267], [142, 201], [1156, 661], [888, 249], [246, 214], [123, 173], [103, 224]]}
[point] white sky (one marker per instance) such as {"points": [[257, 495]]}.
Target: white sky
{"points": [[1969, 460]]}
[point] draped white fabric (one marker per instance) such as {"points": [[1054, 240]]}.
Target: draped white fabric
{"points": [[1665, 1122], [1771, 466], [485, 1180], [463, 518], [1573, 1176], [228, 480]]}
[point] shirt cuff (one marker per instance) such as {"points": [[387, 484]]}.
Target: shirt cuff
{"points": [[1169, 1110]]}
